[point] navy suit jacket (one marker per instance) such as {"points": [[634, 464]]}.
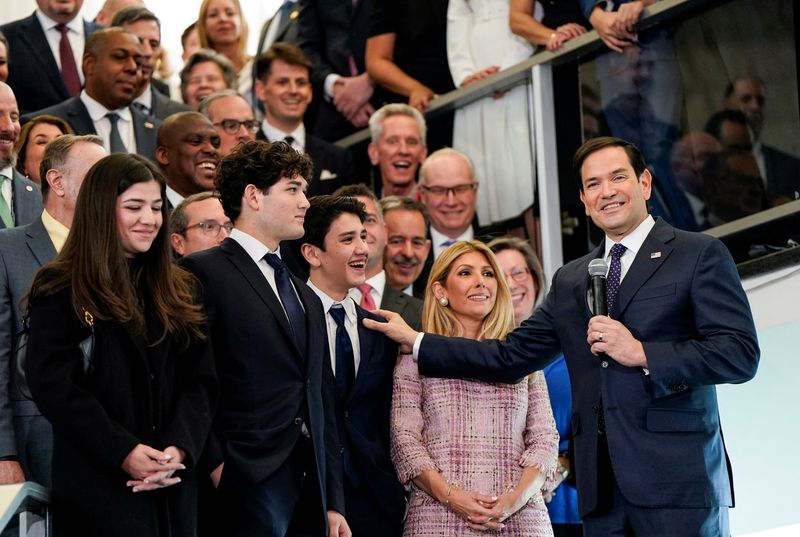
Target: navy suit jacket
{"points": [[33, 72], [264, 379], [683, 299], [74, 112], [364, 425], [23, 251], [27, 200]]}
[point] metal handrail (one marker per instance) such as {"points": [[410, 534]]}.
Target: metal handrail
{"points": [[588, 43]]}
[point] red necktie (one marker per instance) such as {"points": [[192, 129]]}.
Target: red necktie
{"points": [[69, 71], [367, 302]]}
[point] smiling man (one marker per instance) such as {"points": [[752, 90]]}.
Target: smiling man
{"points": [[112, 67], [407, 243], [335, 247], [284, 89], [449, 192], [272, 451], [233, 118], [187, 153], [649, 454], [397, 148]]}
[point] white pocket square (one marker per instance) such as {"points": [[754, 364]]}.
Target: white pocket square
{"points": [[327, 175]]}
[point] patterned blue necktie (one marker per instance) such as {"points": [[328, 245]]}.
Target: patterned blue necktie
{"points": [[614, 274]]}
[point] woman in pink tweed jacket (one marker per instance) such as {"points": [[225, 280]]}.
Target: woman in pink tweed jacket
{"points": [[475, 455]]}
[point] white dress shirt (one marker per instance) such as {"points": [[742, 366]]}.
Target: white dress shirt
{"points": [[8, 191], [257, 250], [103, 125], [75, 35], [438, 239], [275, 134], [350, 325]]}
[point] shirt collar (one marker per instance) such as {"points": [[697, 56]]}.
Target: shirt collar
{"points": [[438, 238], [274, 134], [327, 302], [56, 230], [8, 171], [633, 241], [75, 25], [97, 111], [146, 98], [377, 282], [254, 247]]}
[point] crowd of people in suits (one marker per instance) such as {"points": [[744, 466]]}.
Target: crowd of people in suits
{"points": [[252, 294]]}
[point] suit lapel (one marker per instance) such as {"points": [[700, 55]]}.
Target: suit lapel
{"points": [[39, 242], [250, 271], [144, 132], [582, 291], [38, 47], [367, 340], [654, 251], [25, 197], [79, 116]]}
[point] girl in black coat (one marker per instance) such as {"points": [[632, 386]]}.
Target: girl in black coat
{"points": [[130, 422]]}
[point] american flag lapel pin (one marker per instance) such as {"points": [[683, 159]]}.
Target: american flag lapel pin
{"points": [[148, 125], [655, 255]]}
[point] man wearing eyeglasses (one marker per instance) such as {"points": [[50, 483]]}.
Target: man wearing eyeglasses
{"points": [[188, 153], [233, 118], [448, 189], [284, 88], [198, 223]]}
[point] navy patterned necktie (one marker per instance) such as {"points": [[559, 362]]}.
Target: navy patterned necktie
{"points": [[614, 274], [291, 304], [345, 361]]}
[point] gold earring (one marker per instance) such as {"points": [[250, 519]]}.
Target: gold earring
{"points": [[443, 301]]}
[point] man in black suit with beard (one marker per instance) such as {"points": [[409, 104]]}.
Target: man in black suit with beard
{"points": [[271, 451]]}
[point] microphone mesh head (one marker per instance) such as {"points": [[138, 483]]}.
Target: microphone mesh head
{"points": [[598, 267]]}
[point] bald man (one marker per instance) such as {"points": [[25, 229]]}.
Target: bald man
{"points": [[111, 8], [188, 154]]}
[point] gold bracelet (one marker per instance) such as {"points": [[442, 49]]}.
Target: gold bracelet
{"points": [[450, 487]]}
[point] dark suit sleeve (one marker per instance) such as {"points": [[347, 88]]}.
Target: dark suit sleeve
{"points": [[333, 460], [8, 444], [312, 39], [528, 348], [54, 369], [725, 349], [194, 410], [213, 452]]}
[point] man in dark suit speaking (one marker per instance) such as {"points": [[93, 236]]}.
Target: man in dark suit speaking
{"points": [[271, 451], [649, 454]]}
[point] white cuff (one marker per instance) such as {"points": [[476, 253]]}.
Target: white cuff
{"points": [[417, 343], [330, 80]]}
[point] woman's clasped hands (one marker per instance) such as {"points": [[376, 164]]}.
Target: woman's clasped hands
{"points": [[152, 469]]}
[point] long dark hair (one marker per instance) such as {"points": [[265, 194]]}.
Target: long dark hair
{"points": [[104, 281]]}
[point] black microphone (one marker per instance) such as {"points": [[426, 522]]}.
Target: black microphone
{"points": [[597, 272]]}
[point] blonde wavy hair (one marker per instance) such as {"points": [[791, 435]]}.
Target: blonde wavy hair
{"points": [[438, 319], [202, 34]]}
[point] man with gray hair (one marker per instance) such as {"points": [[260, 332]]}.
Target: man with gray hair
{"points": [[25, 436], [398, 147], [231, 115], [198, 223]]}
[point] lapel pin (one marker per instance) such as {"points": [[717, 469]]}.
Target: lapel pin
{"points": [[29, 188], [655, 255], [148, 125], [294, 14]]}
